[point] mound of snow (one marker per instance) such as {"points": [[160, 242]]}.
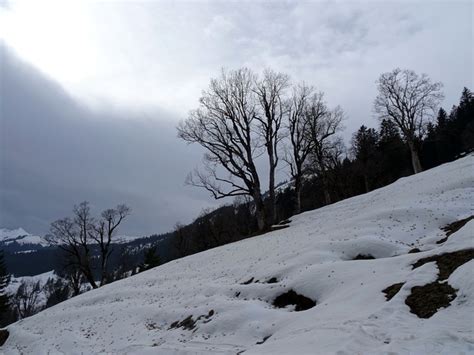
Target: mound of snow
{"points": [[221, 300]]}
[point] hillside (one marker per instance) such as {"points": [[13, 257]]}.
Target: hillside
{"points": [[222, 300]]}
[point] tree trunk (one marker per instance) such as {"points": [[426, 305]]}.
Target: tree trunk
{"points": [[297, 207], [327, 195], [260, 212], [103, 280], [366, 183], [271, 192], [90, 279], [75, 282], [415, 160]]}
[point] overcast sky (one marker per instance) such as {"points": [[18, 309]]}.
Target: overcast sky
{"points": [[91, 91]]}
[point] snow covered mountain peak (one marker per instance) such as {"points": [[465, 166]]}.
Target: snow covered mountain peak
{"points": [[22, 237], [12, 233]]}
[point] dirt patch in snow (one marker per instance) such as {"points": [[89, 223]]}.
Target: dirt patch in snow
{"points": [[363, 257], [189, 323], [453, 228], [249, 281], [447, 262], [272, 280], [414, 250], [3, 336], [301, 303], [424, 301], [392, 290], [263, 340]]}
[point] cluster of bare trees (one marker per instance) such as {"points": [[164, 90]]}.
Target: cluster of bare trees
{"points": [[243, 116], [87, 242], [25, 299]]}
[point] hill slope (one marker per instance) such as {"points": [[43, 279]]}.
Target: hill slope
{"points": [[229, 291]]}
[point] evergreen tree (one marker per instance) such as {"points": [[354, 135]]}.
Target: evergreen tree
{"points": [[364, 147], [464, 122], [150, 260], [393, 152], [442, 120], [389, 132], [4, 281]]}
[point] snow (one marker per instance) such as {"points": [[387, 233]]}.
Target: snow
{"points": [[11, 233], [26, 251], [20, 236], [42, 278], [122, 239], [313, 257]]}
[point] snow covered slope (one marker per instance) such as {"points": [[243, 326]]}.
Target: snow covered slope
{"points": [[233, 313]]}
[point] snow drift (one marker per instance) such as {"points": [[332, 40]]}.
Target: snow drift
{"points": [[222, 300]]}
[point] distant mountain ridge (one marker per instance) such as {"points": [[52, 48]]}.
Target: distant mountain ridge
{"points": [[22, 237], [27, 254]]}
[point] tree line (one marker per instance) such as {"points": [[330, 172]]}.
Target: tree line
{"points": [[244, 118]]}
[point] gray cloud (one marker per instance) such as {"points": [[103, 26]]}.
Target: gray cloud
{"points": [[55, 152], [128, 58]]}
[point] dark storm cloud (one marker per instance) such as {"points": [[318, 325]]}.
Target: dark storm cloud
{"points": [[55, 153]]}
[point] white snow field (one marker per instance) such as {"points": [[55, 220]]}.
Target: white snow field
{"points": [[313, 257]]}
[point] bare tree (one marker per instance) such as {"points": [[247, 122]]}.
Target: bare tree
{"points": [[300, 146], [25, 300], [74, 279], [323, 124], [78, 236], [102, 232], [225, 125], [73, 236], [270, 92], [410, 101]]}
